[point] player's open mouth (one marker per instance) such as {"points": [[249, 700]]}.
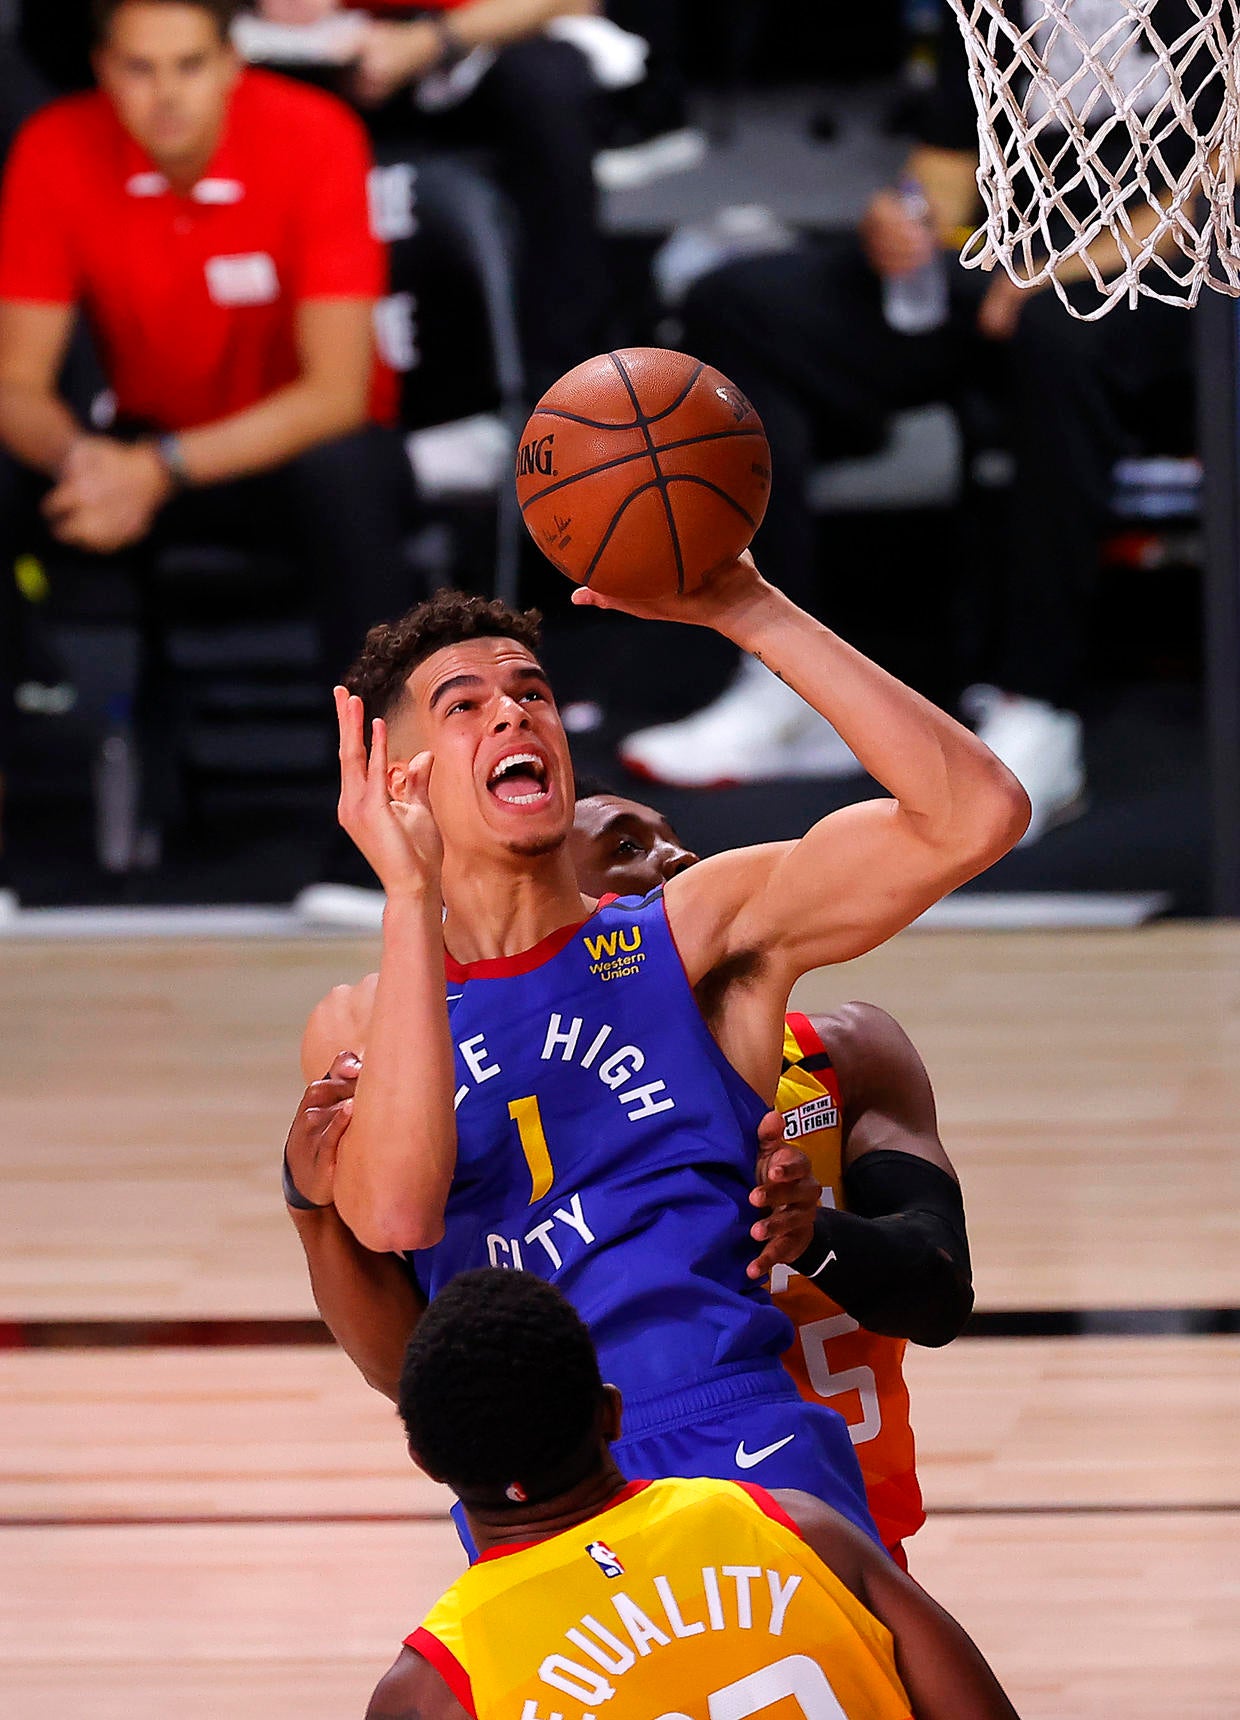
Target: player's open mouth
{"points": [[519, 779]]}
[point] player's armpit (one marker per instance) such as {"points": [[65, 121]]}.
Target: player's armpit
{"points": [[940, 1666], [411, 1689]]}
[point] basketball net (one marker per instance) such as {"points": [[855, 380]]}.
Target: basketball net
{"points": [[1092, 125]]}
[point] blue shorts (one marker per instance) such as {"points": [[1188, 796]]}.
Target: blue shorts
{"points": [[740, 1424]]}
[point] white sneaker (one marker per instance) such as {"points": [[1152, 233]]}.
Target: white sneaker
{"points": [[346, 905], [757, 730], [630, 166], [10, 907], [1042, 747], [468, 457]]}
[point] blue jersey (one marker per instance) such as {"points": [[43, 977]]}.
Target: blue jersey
{"points": [[605, 1142]]}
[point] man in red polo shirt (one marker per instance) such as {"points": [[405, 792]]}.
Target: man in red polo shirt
{"points": [[212, 224]]}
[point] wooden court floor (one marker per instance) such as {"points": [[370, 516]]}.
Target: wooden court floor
{"points": [[200, 1530]]}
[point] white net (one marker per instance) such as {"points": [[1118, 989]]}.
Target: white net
{"points": [[1108, 133]]}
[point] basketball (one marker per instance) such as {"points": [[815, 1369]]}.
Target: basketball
{"points": [[642, 471]]}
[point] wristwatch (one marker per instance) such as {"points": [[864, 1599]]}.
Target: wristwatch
{"points": [[172, 454]]}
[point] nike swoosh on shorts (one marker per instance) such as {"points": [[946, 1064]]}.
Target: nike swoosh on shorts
{"points": [[747, 1459]]}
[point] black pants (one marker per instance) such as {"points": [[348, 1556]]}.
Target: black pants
{"points": [[803, 334], [342, 510], [536, 109]]}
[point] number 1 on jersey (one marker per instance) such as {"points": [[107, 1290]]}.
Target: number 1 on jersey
{"points": [[528, 1118]]}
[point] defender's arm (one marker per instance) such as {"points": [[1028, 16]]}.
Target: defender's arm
{"points": [[411, 1689], [940, 1666], [898, 1259], [366, 1300]]}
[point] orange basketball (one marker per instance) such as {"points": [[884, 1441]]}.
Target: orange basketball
{"points": [[642, 471]]}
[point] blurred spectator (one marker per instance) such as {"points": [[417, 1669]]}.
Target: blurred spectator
{"points": [[471, 73], [212, 224], [809, 336]]}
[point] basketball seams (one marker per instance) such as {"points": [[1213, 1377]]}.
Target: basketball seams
{"points": [[643, 424], [639, 454], [613, 522], [590, 423], [680, 399]]}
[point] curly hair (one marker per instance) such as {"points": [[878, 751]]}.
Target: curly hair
{"points": [[501, 1384], [222, 11], [393, 650]]}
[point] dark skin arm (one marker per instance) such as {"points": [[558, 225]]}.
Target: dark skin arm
{"points": [[940, 1666], [411, 1689], [888, 1100], [367, 1300]]}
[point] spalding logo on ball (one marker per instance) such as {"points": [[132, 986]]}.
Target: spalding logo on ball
{"points": [[642, 471]]}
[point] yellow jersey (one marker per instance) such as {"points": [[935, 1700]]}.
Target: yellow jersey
{"points": [[834, 1360], [682, 1600]]}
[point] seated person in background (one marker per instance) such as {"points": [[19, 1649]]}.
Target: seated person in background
{"points": [[805, 335], [533, 101], [212, 224], [637, 1597]]}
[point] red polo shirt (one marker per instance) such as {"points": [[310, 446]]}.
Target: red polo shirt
{"points": [[192, 297]]}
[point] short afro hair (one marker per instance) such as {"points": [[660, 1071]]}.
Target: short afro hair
{"points": [[394, 649], [501, 1385], [593, 787]]}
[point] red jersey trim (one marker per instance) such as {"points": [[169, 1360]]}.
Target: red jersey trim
{"points": [[446, 1665], [627, 1492], [806, 1034], [525, 961], [770, 1507]]}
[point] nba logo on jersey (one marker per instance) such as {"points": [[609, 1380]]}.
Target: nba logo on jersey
{"points": [[605, 1559]]}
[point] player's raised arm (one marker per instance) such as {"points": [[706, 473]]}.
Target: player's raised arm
{"points": [[395, 1161], [940, 1665], [863, 873]]}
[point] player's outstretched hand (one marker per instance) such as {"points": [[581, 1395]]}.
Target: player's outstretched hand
{"points": [[722, 599], [323, 1115], [789, 1191], [399, 837]]}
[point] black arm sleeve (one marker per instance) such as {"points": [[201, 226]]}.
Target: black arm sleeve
{"points": [[898, 1260]]}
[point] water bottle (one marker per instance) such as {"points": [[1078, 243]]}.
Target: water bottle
{"points": [[116, 783], [916, 303]]}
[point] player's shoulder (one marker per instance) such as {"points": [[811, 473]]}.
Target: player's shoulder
{"points": [[338, 1022], [70, 125], [302, 113], [856, 1028]]}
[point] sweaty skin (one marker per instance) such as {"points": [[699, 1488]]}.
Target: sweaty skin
{"points": [[481, 869], [623, 847]]}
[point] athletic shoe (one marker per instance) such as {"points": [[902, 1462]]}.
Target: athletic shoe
{"points": [[10, 907], [467, 458], [1042, 747], [757, 730], [344, 905], [627, 167]]}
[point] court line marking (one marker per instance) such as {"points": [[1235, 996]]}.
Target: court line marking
{"points": [[19, 1335], [274, 1519]]}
